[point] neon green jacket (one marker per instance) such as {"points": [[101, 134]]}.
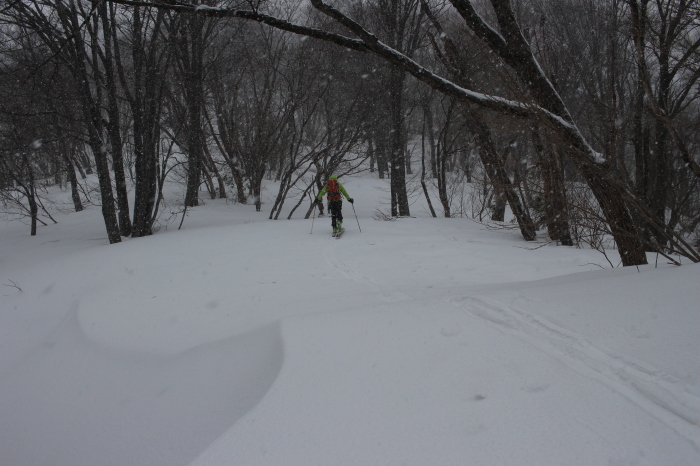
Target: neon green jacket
{"points": [[340, 188]]}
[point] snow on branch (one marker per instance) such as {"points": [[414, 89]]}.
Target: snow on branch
{"points": [[368, 42]]}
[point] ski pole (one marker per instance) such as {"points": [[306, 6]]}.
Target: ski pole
{"points": [[358, 222], [313, 219]]}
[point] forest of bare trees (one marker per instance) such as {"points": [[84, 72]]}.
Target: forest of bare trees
{"points": [[581, 116]]}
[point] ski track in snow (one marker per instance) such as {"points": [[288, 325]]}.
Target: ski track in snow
{"points": [[662, 395], [333, 259]]}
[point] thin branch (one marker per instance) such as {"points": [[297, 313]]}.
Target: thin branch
{"points": [[13, 285]]}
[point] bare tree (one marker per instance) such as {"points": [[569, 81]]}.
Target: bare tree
{"points": [[142, 72], [61, 26], [102, 46], [398, 23], [667, 47]]}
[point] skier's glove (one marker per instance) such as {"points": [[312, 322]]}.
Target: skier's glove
{"points": [[351, 200]]}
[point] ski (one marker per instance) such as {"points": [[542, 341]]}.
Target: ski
{"points": [[337, 234]]}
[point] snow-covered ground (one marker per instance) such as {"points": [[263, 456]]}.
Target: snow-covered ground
{"points": [[243, 341]]}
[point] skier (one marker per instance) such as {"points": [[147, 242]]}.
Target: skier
{"points": [[335, 192]]}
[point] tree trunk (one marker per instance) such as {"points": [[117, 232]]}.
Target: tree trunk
{"points": [[498, 213], [73, 179], [437, 165], [496, 171], [240, 185], [145, 100], [556, 205], [208, 181], [659, 194], [209, 160], [422, 175], [91, 108], [640, 142], [69, 168], [109, 212], [113, 125], [441, 179], [399, 194], [382, 163], [256, 189], [608, 191], [31, 194], [193, 42]]}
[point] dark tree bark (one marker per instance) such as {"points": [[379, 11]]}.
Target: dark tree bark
{"points": [[498, 213], [64, 147], [77, 60], [556, 206], [211, 167], [399, 194], [401, 21], [492, 161], [381, 137], [670, 37], [513, 49], [437, 156], [113, 122], [496, 170], [144, 92], [640, 142], [225, 141], [422, 174], [190, 58], [67, 42], [30, 192]]}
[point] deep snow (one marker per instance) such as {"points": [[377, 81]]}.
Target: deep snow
{"points": [[240, 340]]}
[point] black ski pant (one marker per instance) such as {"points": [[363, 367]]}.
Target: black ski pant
{"points": [[335, 208]]}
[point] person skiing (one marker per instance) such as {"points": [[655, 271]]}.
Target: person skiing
{"points": [[335, 192]]}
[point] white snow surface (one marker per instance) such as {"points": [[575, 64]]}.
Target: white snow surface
{"points": [[244, 341]]}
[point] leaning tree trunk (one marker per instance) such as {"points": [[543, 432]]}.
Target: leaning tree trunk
{"points": [[512, 47], [496, 170]]}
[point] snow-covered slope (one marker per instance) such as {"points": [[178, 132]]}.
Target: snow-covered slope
{"points": [[239, 340]]}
